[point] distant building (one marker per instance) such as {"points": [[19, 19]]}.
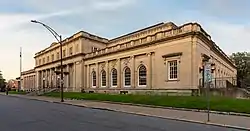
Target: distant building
{"points": [[13, 84], [162, 57], [28, 80]]}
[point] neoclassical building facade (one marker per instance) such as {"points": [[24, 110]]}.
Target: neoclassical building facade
{"points": [[162, 57]]}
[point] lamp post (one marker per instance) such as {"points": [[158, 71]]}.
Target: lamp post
{"points": [[59, 39]]}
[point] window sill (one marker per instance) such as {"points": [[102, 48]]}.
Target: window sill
{"points": [[172, 80], [142, 86]]}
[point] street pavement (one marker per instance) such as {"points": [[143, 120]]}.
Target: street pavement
{"points": [[21, 114]]}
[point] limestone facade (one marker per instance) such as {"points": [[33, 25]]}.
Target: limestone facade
{"points": [[160, 57], [28, 80]]}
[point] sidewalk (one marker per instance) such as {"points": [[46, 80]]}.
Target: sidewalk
{"points": [[239, 122]]}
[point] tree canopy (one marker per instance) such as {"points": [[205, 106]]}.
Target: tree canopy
{"points": [[242, 62], [2, 80]]}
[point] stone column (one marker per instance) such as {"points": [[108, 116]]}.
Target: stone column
{"points": [[41, 79], [133, 78], [67, 77], [32, 82], [46, 78], [85, 75], [149, 75], [82, 75], [42, 82], [97, 76], [24, 82], [38, 82], [50, 78], [75, 85], [119, 85], [28, 80], [35, 80]]}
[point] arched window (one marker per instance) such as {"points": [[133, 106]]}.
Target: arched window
{"points": [[93, 79], [114, 78], [103, 78], [142, 76], [127, 77]]}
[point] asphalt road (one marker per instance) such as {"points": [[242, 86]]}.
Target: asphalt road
{"points": [[19, 114]]}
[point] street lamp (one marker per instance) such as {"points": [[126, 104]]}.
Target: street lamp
{"points": [[59, 39]]}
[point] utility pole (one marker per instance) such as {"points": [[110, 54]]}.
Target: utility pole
{"points": [[20, 83]]}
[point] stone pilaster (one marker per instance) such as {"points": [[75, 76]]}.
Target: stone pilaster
{"points": [[149, 75], [133, 77], [88, 76], [119, 73], [107, 75], [97, 76]]}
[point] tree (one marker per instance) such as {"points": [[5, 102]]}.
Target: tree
{"points": [[242, 62], [2, 81]]}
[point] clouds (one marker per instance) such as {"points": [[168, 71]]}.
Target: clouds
{"points": [[65, 17], [230, 10], [225, 20]]}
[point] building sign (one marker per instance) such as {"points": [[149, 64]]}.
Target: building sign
{"points": [[207, 73]]}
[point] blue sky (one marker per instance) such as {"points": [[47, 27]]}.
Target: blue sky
{"points": [[227, 21]]}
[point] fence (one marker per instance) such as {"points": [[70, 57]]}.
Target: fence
{"points": [[222, 82]]}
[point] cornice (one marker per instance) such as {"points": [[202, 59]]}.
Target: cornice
{"points": [[65, 58]]}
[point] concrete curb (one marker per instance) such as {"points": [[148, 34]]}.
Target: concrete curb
{"points": [[142, 114], [169, 118]]}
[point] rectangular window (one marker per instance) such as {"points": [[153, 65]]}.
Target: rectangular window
{"points": [[57, 55], [71, 51], [94, 49], [40, 61], [43, 60], [47, 59], [52, 57], [64, 53], [172, 70]]}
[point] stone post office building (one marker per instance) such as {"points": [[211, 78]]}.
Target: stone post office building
{"points": [[162, 57]]}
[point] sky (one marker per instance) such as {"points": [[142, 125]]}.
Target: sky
{"points": [[227, 21]]}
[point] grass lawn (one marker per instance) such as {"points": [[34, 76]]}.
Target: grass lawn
{"points": [[20, 92], [217, 103]]}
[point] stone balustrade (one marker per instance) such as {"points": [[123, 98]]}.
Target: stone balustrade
{"points": [[157, 36]]}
